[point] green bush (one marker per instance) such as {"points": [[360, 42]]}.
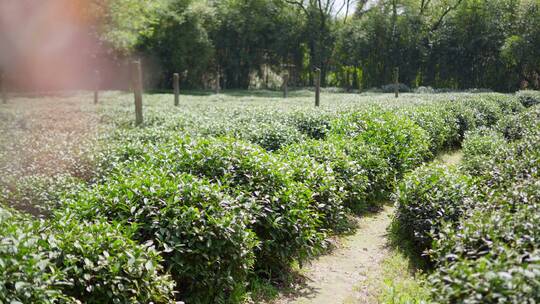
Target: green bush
{"points": [[380, 173], [202, 232], [440, 124], [507, 278], [426, 198], [313, 124], [102, 265], [285, 221], [516, 162], [271, 136], [509, 105], [529, 98], [479, 147], [38, 194], [397, 137], [465, 117], [487, 112], [73, 262], [519, 126], [27, 274], [325, 188], [493, 257], [351, 177]]}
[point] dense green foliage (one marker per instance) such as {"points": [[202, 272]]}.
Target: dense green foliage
{"points": [[485, 250], [449, 44], [426, 198], [201, 231], [398, 139], [200, 198], [71, 261]]}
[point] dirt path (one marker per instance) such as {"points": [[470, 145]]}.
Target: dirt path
{"points": [[351, 272], [335, 278]]}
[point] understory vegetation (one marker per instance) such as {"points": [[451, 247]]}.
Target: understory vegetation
{"points": [[206, 200]]}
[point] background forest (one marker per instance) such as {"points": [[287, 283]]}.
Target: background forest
{"points": [[357, 44]]}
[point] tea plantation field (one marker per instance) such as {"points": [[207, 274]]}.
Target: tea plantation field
{"points": [[206, 200]]}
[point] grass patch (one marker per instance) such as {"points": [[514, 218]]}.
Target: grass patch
{"points": [[450, 157], [401, 282]]}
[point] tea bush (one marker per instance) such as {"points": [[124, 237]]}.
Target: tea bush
{"points": [[518, 161], [511, 226], [510, 105], [440, 124], [271, 136], [487, 112], [425, 199], [71, 261], [380, 173], [490, 252], [493, 257], [325, 188], [351, 177], [27, 274], [397, 137], [479, 147], [508, 278], [100, 264], [312, 124], [286, 219], [201, 231], [518, 126], [465, 118], [528, 98], [39, 194]]}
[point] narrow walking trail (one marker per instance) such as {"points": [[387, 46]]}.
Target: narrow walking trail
{"points": [[341, 277], [348, 275]]}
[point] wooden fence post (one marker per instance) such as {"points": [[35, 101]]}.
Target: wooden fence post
{"points": [[217, 81], [97, 84], [176, 87], [286, 85], [317, 87], [137, 90], [3, 90], [396, 82]]}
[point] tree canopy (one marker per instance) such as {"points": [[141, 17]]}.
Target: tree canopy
{"points": [[456, 44]]}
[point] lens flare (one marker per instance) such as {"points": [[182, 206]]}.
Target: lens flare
{"points": [[47, 44]]}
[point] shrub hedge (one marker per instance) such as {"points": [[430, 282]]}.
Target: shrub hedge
{"points": [[440, 124], [479, 147], [286, 217], [351, 177], [425, 199], [201, 231], [220, 209], [529, 98], [320, 179], [71, 261], [525, 124], [493, 257], [397, 137], [487, 250]]}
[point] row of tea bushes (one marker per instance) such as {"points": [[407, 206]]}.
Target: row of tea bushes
{"points": [[478, 224], [201, 231], [491, 254], [264, 210], [219, 209], [72, 261]]}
